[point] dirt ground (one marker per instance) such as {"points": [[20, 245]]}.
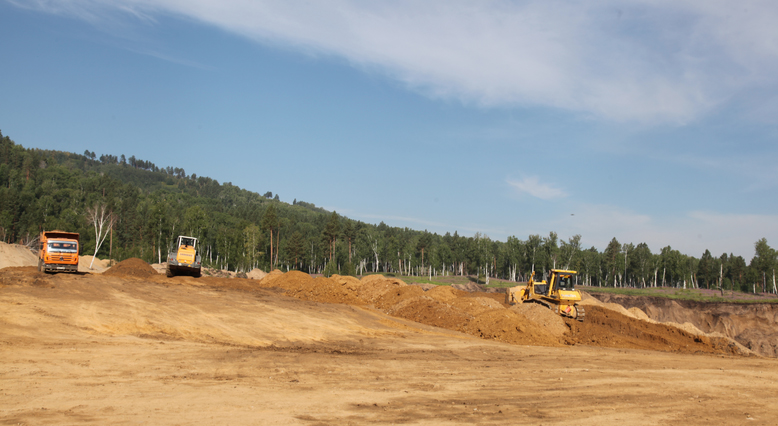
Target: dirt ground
{"points": [[131, 346]]}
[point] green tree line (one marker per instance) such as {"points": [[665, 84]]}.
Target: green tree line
{"points": [[240, 230]]}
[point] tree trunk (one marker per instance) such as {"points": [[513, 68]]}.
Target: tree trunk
{"points": [[271, 248]]}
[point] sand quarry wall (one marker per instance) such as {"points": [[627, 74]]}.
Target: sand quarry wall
{"points": [[487, 316], [754, 325]]}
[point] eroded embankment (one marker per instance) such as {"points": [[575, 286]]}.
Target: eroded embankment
{"points": [[754, 325]]}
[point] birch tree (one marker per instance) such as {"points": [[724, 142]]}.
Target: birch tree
{"points": [[103, 221]]}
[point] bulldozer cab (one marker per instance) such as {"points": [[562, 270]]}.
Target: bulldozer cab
{"points": [[186, 242], [564, 282]]}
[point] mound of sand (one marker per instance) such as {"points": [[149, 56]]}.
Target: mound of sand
{"points": [[161, 268], [470, 287], [16, 255], [288, 281], [543, 317], [444, 294], [510, 327], [476, 305], [395, 295], [132, 267], [424, 286], [350, 282], [98, 266], [303, 286], [428, 311], [268, 279], [372, 287], [256, 274], [639, 314], [591, 301]]}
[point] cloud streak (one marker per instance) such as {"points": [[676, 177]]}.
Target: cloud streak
{"points": [[532, 186], [648, 61]]}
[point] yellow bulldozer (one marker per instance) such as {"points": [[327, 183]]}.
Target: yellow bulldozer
{"points": [[183, 258], [558, 294]]}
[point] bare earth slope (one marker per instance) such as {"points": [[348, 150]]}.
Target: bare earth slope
{"points": [[754, 325], [129, 348]]}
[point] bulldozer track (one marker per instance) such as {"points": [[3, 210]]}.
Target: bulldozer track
{"points": [[581, 313]]}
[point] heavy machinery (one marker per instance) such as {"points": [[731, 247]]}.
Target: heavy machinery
{"points": [[58, 251], [558, 294], [183, 258]]}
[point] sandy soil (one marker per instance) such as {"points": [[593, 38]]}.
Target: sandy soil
{"points": [[16, 255], [134, 347]]}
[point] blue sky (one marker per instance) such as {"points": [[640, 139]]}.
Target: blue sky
{"points": [[650, 122]]}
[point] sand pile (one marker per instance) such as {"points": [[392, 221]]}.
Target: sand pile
{"points": [[256, 274], [98, 266], [476, 305], [16, 255], [161, 268], [632, 312], [286, 281], [510, 327], [445, 294], [351, 283], [543, 317], [132, 267], [470, 287], [428, 311], [303, 286], [267, 280], [639, 314], [395, 295], [325, 290], [373, 287]]}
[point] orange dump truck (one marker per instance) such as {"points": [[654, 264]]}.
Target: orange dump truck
{"points": [[58, 251]]}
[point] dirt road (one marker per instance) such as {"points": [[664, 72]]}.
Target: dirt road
{"points": [[120, 349]]}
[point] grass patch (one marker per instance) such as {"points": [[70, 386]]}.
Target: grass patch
{"points": [[450, 280], [698, 295]]}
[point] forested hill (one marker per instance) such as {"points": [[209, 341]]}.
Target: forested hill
{"points": [[240, 229]]}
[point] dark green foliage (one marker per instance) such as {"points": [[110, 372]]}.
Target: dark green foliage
{"points": [[348, 269], [330, 269]]}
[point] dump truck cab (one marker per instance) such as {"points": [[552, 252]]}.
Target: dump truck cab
{"points": [[558, 293], [183, 258], [58, 251]]}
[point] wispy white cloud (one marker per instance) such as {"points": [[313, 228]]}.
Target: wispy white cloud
{"points": [[648, 61], [531, 185]]}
